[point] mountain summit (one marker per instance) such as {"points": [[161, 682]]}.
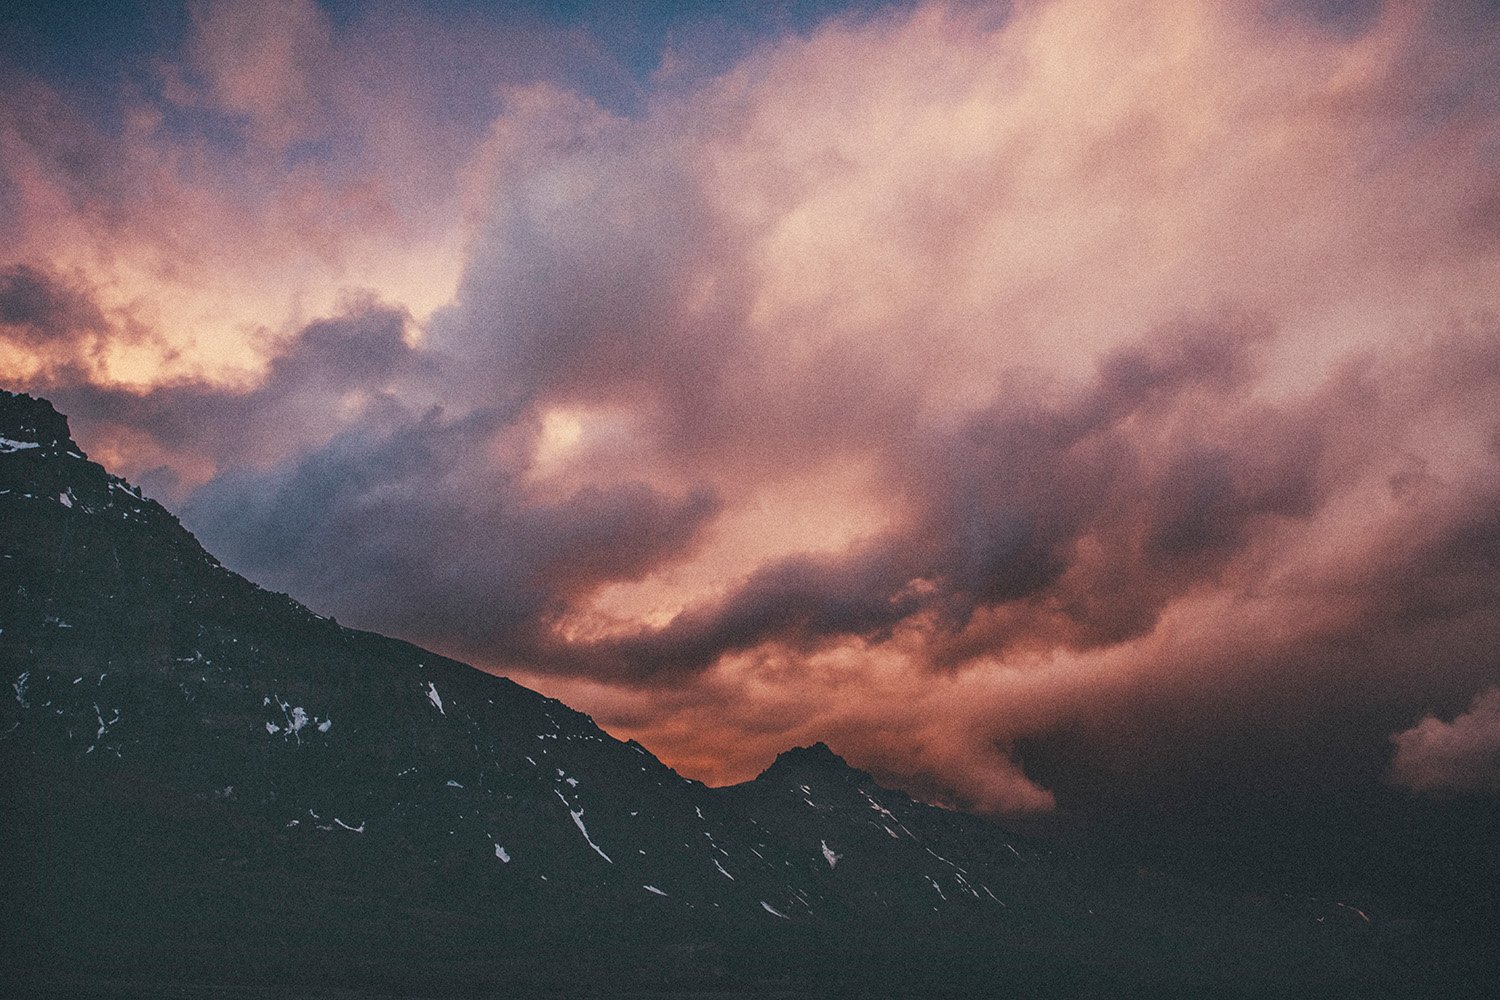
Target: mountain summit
{"points": [[818, 758], [206, 783]]}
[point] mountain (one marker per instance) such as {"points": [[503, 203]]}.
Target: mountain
{"points": [[209, 790]]}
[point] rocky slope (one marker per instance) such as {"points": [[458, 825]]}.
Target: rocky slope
{"points": [[209, 788]]}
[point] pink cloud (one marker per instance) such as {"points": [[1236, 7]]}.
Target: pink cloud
{"points": [[1020, 405], [1458, 756]]}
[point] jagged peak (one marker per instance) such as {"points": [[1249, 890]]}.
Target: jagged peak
{"points": [[817, 758], [40, 460], [27, 420]]}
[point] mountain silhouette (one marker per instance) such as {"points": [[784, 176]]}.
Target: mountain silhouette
{"points": [[210, 789]]}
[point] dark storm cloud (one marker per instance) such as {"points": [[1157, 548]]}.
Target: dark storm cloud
{"points": [[799, 602], [357, 359], [1304, 706], [431, 507], [1006, 500], [39, 309]]}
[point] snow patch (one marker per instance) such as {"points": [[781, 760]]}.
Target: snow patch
{"points": [[435, 698], [7, 446], [829, 855], [944, 860], [500, 853], [652, 888], [294, 718], [888, 815], [773, 911], [351, 829], [722, 871], [325, 725], [66, 497], [102, 724], [577, 815]]}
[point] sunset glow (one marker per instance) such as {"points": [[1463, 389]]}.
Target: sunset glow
{"points": [[983, 391]]}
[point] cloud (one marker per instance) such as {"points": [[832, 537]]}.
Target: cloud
{"points": [[329, 375], [1089, 407], [465, 550], [1006, 498], [260, 167], [263, 65], [1458, 756], [38, 309]]}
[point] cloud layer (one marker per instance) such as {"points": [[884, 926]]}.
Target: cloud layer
{"points": [[1458, 756], [1082, 405]]}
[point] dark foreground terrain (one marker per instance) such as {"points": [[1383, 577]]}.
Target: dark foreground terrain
{"points": [[209, 790]]}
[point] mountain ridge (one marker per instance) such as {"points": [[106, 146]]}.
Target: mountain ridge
{"points": [[207, 782]]}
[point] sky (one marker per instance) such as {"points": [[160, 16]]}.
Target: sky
{"points": [[1059, 407]]}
